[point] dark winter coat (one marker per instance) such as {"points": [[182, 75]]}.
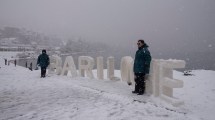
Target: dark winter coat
{"points": [[43, 60], [142, 60]]}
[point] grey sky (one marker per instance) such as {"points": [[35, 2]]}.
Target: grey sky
{"points": [[168, 23]]}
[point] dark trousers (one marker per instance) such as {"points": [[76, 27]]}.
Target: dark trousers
{"points": [[43, 71], [139, 82]]}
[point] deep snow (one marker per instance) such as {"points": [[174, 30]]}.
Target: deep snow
{"points": [[24, 95]]}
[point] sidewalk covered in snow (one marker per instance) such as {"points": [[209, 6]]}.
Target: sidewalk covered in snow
{"points": [[24, 95]]}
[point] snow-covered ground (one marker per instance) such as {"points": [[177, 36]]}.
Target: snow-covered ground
{"points": [[24, 96]]}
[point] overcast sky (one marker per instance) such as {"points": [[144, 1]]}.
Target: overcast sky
{"points": [[168, 23]]}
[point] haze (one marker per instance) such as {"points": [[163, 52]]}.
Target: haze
{"points": [[168, 26]]}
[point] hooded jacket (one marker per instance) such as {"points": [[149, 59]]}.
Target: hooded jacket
{"points": [[43, 60], [142, 60]]}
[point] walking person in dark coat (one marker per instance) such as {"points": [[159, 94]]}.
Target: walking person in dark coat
{"points": [[43, 62], [141, 66]]}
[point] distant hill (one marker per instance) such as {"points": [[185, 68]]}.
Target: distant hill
{"points": [[24, 36]]}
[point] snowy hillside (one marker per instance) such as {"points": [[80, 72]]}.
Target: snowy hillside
{"points": [[26, 96]]}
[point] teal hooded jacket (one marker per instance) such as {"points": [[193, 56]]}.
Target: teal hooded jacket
{"points": [[43, 60], [142, 60]]}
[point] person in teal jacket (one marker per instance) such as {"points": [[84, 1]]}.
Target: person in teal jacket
{"points": [[141, 66], [43, 62]]}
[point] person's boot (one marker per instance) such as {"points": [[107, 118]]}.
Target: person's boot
{"points": [[136, 89], [140, 93], [135, 92], [42, 76]]}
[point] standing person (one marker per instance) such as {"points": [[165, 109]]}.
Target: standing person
{"points": [[141, 66], [30, 66], [5, 60], [43, 62], [15, 62], [26, 64]]}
